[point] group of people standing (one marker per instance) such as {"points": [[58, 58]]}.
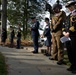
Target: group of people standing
{"points": [[53, 32], [58, 29], [11, 37]]}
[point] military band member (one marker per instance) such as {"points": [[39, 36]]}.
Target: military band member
{"points": [[70, 31], [56, 26]]}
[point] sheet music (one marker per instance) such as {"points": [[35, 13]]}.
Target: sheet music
{"points": [[64, 39]]}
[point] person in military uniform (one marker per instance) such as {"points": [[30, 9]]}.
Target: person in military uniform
{"points": [[70, 31], [56, 27], [35, 33]]}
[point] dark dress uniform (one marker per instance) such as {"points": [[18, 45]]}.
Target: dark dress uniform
{"points": [[71, 30], [18, 39], [4, 35], [47, 34], [35, 35], [71, 45]]}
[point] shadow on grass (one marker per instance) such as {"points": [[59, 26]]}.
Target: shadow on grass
{"points": [[66, 60], [3, 68]]}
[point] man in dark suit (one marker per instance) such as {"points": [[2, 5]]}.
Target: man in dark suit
{"points": [[35, 33], [70, 31]]}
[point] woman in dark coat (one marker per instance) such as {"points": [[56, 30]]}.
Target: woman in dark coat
{"points": [[47, 34]]}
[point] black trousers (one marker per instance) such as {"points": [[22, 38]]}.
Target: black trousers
{"points": [[35, 42], [18, 42], [71, 50]]}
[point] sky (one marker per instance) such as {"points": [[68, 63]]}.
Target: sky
{"points": [[52, 1], [47, 14]]}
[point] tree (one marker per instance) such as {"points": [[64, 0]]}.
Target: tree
{"points": [[23, 11], [4, 14], [0, 12]]}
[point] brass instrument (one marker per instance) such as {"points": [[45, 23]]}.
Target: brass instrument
{"points": [[73, 18]]}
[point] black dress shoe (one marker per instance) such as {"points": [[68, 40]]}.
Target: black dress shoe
{"points": [[51, 58], [74, 71], [34, 52], [60, 62], [69, 69], [47, 54], [17, 48]]}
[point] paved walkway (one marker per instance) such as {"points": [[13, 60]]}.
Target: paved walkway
{"points": [[23, 62]]}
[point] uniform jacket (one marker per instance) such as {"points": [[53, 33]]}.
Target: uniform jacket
{"points": [[12, 34], [71, 26], [34, 29], [4, 34], [57, 23], [19, 34], [47, 31]]}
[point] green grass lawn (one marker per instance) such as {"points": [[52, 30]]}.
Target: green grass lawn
{"points": [[3, 70], [66, 58]]}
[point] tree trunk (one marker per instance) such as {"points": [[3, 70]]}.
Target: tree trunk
{"points": [[25, 19], [26, 16], [4, 14]]}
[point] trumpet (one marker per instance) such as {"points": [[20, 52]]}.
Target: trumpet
{"points": [[73, 18]]}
